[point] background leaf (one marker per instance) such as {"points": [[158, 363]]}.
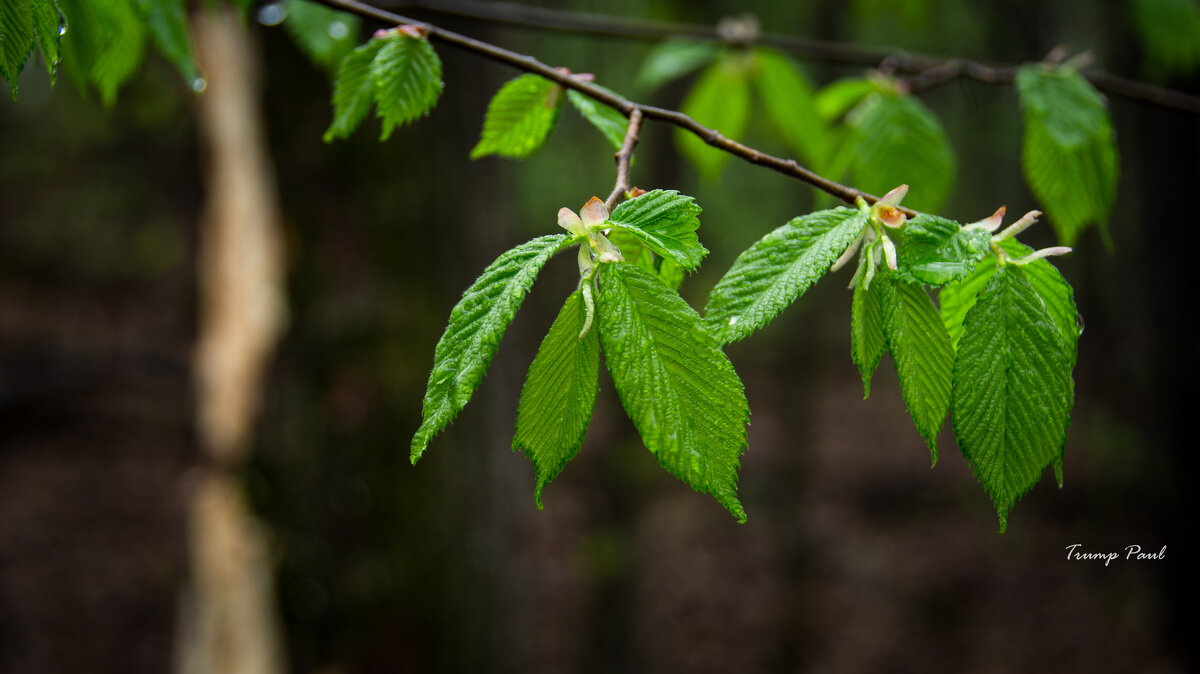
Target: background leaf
{"points": [[473, 333], [672, 59], [719, 100], [1170, 34], [895, 140], [1069, 153], [1012, 389], [105, 46], [777, 269], [519, 118], [789, 101], [168, 26], [326, 35], [677, 386], [664, 221], [559, 394]]}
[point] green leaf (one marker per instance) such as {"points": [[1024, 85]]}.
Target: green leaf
{"points": [[778, 269], [921, 352], [104, 45], [609, 122], [168, 24], [325, 35], [1069, 152], [867, 341], [788, 98], [895, 140], [720, 100], [47, 25], [665, 222], [1170, 34], [407, 75], [679, 389], [672, 59], [473, 333], [936, 251], [16, 40], [836, 99], [353, 91], [1012, 390], [1057, 295], [667, 270], [519, 118], [559, 394]]}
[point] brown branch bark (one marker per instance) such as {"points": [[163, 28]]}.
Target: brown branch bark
{"points": [[623, 157], [930, 69], [788, 167]]}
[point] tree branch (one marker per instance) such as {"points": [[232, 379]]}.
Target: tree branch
{"points": [[788, 167], [929, 69], [624, 156]]}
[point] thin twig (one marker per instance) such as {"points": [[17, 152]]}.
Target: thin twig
{"points": [[624, 156], [787, 167], [929, 69]]}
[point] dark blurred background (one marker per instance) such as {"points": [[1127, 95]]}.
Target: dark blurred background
{"points": [[857, 557]]}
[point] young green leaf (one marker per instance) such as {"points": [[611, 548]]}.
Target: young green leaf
{"points": [[326, 35], [777, 269], [109, 50], [1056, 294], [473, 333], [407, 76], [1012, 389], [353, 91], [867, 341], [719, 100], [559, 394], [679, 389], [665, 222], [672, 59], [168, 24], [667, 270], [894, 140], [921, 352], [936, 251], [788, 99], [47, 27], [16, 40], [519, 118], [608, 121], [1069, 152]]}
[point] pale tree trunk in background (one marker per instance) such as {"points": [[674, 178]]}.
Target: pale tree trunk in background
{"points": [[229, 622]]}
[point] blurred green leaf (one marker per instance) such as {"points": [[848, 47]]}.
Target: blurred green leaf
{"points": [[895, 140], [836, 99], [720, 100], [672, 59], [1170, 34], [326, 35], [788, 98], [1070, 151], [168, 25], [104, 43]]}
